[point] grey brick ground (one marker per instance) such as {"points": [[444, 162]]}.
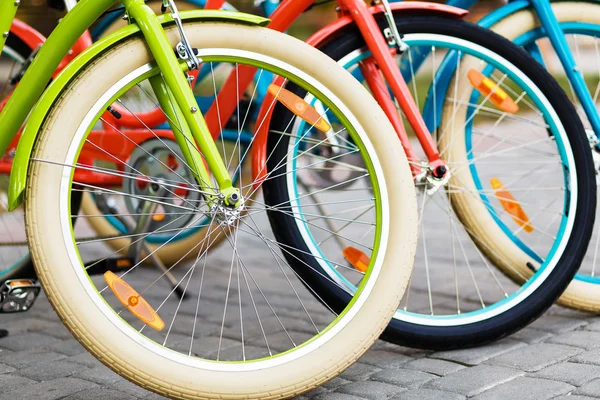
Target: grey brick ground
{"points": [[557, 356], [478, 355], [472, 381], [535, 357], [403, 377], [41, 362], [570, 372], [590, 389], [421, 394], [527, 389], [49, 390], [585, 339]]}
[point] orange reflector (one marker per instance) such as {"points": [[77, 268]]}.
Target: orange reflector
{"points": [[123, 263], [158, 217], [19, 283], [357, 258], [133, 301], [498, 96], [299, 107], [511, 205]]}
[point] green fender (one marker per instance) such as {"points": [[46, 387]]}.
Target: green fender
{"points": [[18, 173]]}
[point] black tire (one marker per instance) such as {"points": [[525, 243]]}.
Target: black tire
{"points": [[529, 309]]}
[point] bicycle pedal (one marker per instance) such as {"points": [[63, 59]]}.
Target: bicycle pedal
{"points": [[18, 295]]}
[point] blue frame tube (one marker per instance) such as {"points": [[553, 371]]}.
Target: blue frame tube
{"points": [[559, 42]]}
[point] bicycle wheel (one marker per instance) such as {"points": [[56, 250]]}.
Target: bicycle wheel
{"points": [[252, 329], [455, 298], [581, 23]]}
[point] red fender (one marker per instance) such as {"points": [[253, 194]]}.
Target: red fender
{"points": [[259, 153], [33, 39], [26, 33]]}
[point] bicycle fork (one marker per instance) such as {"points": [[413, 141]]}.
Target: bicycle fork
{"points": [[383, 61], [184, 116]]}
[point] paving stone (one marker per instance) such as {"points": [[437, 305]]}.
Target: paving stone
{"points": [[315, 392], [84, 359], [588, 357], [101, 375], [67, 347], [535, 357], [477, 355], [131, 389], [568, 313], [12, 381], [530, 335], [50, 370], [6, 369], [407, 351], [589, 389], [24, 359], [585, 339], [29, 323], [50, 390], [472, 381], [100, 394], [370, 390], [337, 396], [359, 372], [26, 341], [154, 396], [58, 331], [427, 394], [403, 377], [385, 359], [433, 366], [557, 324], [525, 388], [595, 326], [572, 373], [335, 383]]}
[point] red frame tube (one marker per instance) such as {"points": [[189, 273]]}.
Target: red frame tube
{"points": [[289, 10]]}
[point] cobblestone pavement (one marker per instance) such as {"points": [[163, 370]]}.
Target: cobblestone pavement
{"points": [[555, 357]]}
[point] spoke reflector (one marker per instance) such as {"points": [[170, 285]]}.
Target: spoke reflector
{"points": [[511, 205], [498, 96], [133, 301], [356, 258], [299, 107]]}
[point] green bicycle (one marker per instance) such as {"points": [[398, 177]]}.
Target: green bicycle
{"points": [[246, 341]]}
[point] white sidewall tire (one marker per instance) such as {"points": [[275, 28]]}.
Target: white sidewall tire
{"points": [[130, 358]]}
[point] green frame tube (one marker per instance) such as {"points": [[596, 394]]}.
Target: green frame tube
{"points": [[178, 123], [178, 85], [8, 11], [26, 94], [75, 23]]}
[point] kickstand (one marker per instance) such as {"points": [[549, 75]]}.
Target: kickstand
{"points": [[145, 209]]}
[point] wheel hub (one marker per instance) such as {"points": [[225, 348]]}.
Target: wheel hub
{"points": [[225, 215]]}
